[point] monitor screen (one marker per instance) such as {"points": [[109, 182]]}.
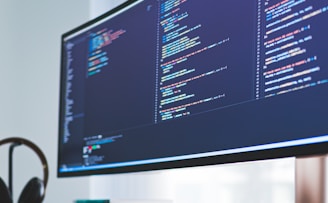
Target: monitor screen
{"points": [[157, 84]]}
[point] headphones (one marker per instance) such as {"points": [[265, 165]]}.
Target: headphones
{"points": [[34, 191]]}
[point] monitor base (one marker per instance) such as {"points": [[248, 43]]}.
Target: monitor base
{"points": [[310, 179]]}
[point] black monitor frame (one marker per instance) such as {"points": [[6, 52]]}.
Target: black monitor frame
{"points": [[241, 114]]}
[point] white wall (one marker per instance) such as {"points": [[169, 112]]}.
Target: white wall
{"points": [[98, 7], [29, 86], [255, 182]]}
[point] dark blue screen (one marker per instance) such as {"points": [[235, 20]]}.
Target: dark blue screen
{"points": [[162, 81]]}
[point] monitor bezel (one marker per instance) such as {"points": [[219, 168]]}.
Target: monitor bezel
{"points": [[314, 149]]}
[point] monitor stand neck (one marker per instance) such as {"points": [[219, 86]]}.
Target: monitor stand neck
{"points": [[310, 179]]}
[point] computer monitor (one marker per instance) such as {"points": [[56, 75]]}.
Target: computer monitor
{"points": [[158, 84]]}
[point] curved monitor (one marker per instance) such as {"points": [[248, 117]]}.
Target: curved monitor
{"points": [[157, 84]]}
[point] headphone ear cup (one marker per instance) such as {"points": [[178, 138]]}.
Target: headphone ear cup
{"points": [[4, 193], [33, 192]]}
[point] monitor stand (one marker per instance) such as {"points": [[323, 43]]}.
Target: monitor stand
{"points": [[310, 179]]}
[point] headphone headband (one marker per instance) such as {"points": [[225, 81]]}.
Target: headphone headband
{"points": [[36, 149]]}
